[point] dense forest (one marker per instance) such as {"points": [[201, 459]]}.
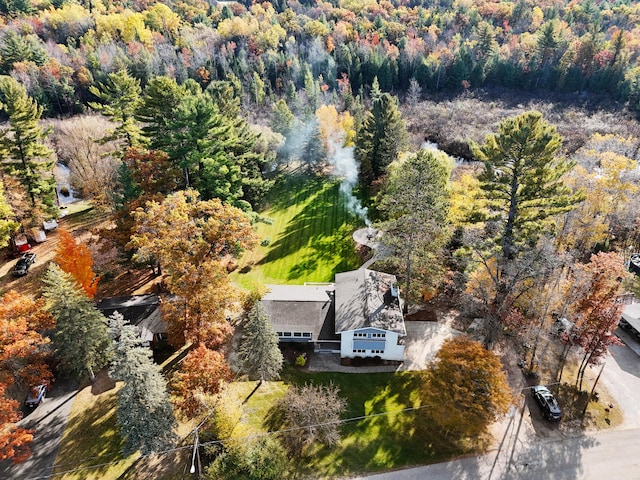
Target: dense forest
{"points": [[313, 51]]}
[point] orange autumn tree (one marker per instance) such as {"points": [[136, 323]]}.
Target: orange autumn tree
{"points": [[203, 371], [75, 258], [23, 354]]}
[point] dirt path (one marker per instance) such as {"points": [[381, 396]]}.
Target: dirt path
{"points": [[117, 278]]}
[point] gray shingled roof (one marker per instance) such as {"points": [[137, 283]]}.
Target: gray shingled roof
{"points": [[364, 299], [143, 311], [299, 308]]}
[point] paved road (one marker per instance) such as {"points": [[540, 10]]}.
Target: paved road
{"points": [[606, 455], [48, 420], [610, 454]]}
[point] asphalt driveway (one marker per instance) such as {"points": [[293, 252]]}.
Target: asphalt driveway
{"points": [[48, 421]]}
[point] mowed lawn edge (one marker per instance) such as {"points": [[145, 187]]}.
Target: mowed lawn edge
{"points": [[308, 237]]}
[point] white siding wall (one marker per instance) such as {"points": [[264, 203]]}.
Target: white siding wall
{"points": [[392, 351]]}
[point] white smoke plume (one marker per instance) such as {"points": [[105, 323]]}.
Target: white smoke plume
{"points": [[346, 169]]}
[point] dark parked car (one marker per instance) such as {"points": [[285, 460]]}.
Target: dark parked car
{"points": [[22, 265], [547, 402], [36, 396]]}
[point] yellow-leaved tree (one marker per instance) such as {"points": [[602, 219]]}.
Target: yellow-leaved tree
{"points": [[192, 241]]}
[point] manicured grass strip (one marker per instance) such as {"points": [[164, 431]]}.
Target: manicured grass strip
{"points": [[92, 438], [310, 236]]}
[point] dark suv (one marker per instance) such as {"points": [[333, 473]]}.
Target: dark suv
{"points": [[547, 402], [21, 267]]}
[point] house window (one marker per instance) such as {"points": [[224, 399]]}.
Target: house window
{"points": [[359, 350], [279, 334], [286, 334], [306, 335], [377, 351], [297, 334], [379, 335], [360, 335]]}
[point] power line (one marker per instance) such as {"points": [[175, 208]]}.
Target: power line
{"points": [[246, 437]]}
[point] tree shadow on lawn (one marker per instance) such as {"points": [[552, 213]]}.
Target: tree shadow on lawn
{"points": [[292, 188], [390, 439], [323, 226], [92, 438]]}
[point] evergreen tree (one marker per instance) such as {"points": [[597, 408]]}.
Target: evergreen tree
{"points": [[16, 48], [7, 223], [415, 205], [119, 98], [145, 414], [25, 157], [80, 341], [161, 97], [522, 181], [314, 152], [381, 137], [282, 120], [259, 355]]}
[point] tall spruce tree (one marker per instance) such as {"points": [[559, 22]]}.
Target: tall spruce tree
{"points": [[119, 98], [259, 355], [381, 137], [22, 151], [145, 414], [80, 341], [522, 180]]}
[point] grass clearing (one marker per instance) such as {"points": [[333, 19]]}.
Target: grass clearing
{"points": [[309, 237], [92, 438], [572, 401]]}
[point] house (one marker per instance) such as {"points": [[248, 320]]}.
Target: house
{"points": [[303, 313], [143, 311], [360, 315], [369, 315]]}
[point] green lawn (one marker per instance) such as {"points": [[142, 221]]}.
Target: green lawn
{"points": [[309, 237], [91, 438], [372, 444]]}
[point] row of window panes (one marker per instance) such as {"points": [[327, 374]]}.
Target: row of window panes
{"points": [[361, 350], [295, 334], [369, 335]]}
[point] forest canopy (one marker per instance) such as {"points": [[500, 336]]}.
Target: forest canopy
{"points": [[60, 49]]}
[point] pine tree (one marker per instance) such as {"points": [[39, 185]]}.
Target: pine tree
{"points": [[25, 157], [522, 181], [314, 153], [119, 98], [381, 137], [161, 97], [415, 205], [7, 223], [80, 341], [282, 120], [259, 354], [145, 414]]}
